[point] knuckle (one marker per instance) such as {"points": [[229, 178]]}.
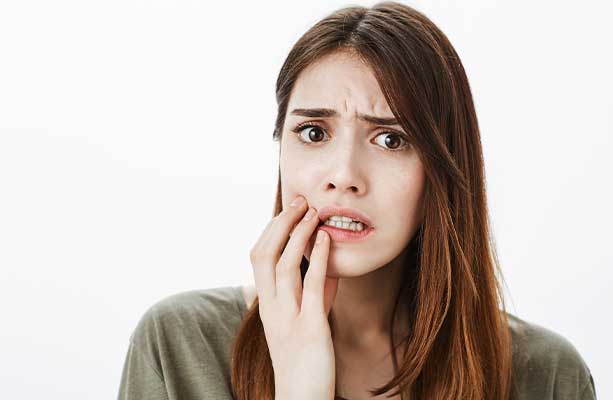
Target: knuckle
{"points": [[260, 254], [266, 255], [253, 256], [257, 257], [255, 251]]}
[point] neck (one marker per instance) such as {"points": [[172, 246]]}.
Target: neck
{"points": [[363, 308]]}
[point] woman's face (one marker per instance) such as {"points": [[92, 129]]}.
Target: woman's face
{"points": [[347, 162]]}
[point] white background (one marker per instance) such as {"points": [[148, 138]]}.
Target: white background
{"points": [[137, 161]]}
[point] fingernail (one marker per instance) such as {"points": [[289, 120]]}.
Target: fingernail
{"points": [[320, 236], [297, 201]]}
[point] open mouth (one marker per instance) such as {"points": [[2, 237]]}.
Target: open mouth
{"points": [[346, 231], [365, 227]]}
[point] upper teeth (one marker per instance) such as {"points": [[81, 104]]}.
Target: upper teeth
{"points": [[341, 218], [341, 221]]}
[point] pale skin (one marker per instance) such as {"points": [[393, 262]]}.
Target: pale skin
{"points": [[350, 164]]}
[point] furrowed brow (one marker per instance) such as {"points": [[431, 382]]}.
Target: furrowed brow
{"points": [[330, 113]]}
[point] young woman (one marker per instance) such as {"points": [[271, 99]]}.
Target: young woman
{"points": [[381, 162]]}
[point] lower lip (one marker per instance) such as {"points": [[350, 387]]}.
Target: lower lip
{"points": [[345, 235]]}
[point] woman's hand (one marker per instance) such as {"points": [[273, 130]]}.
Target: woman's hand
{"points": [[295, 319]]}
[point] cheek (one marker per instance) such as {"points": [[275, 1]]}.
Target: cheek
{"points": [[298, 175], [288, 168], [292, 161], [407, 191]]}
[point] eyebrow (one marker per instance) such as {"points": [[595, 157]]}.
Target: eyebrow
{"points": [[329, 113]]}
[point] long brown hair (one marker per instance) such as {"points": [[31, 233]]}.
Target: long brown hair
{"points": [[459, 346]]}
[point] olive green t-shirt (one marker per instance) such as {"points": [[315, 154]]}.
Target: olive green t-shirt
{"points": [[180, 350]]}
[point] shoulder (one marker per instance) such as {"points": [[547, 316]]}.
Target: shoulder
{"points": [[182, 336], [212, 312], [546, 364]]}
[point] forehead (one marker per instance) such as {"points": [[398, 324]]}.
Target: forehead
{"points": [[340, 81]]}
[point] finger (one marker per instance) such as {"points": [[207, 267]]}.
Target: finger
{"points": [[330, 290], [309, 247], [266, 253], [263, 275], [319, 291], [263, 264], [289, 279]]}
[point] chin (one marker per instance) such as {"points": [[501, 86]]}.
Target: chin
{"points": [[347, 267]]}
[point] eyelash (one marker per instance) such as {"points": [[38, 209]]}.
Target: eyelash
{"points": [[300, 127]]}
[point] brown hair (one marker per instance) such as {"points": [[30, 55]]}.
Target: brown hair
{"points": [[459, 346]]}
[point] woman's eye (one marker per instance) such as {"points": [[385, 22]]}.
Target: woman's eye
{"points": [[313, 133], [394, 141]]}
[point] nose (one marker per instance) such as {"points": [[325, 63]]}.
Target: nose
{"points": [[346, 171]]}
